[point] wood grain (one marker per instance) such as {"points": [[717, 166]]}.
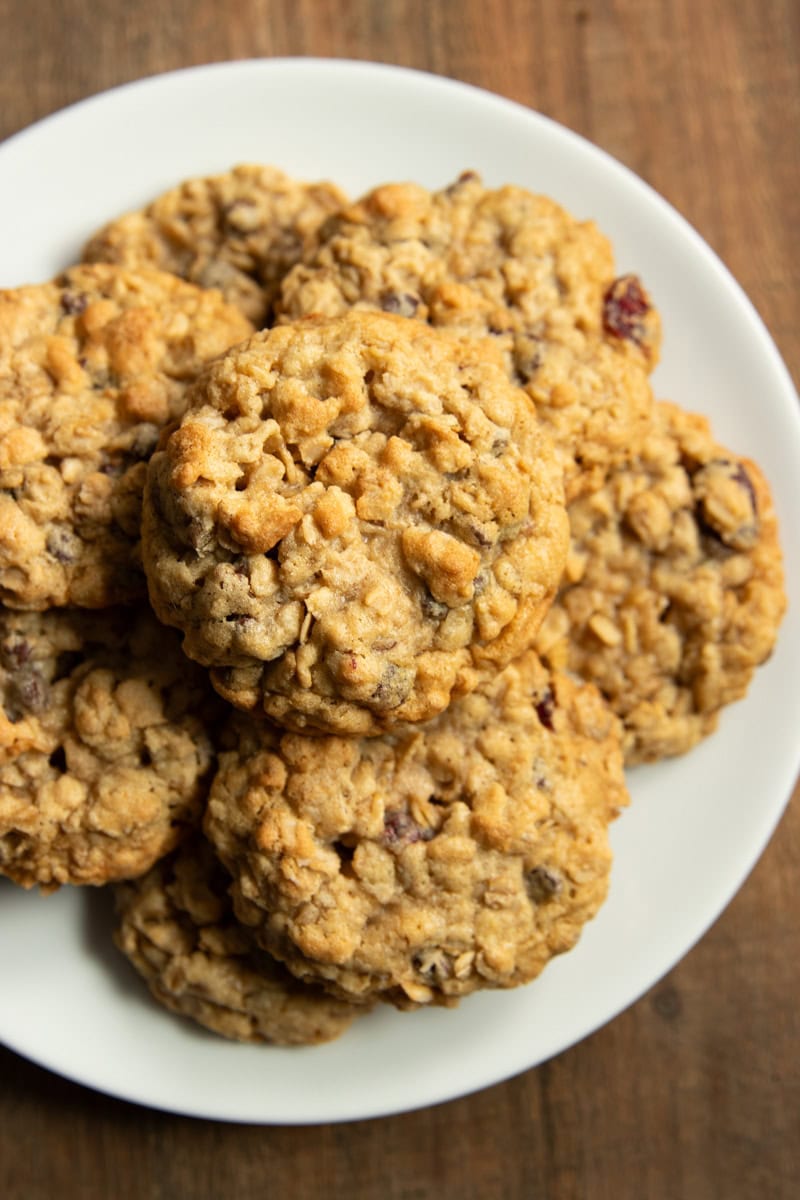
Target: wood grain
{"points": [[695, 1091]]}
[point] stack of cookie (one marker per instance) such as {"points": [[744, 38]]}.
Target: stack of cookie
{"points": [[440, 565]]}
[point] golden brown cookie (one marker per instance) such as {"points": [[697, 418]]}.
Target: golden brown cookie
{"points": [[514, 266], [425, 864], [177, 928], [356, 516], [240, 232], [92, 365], [673, 591], [103, 745]]}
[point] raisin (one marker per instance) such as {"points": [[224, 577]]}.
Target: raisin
{"points": [[545, 707], [32, 691], [393, 687], [543, 883], [74, 303], [432, 608]]}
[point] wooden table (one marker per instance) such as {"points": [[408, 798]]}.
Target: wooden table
{"points": [[695, 1091]]}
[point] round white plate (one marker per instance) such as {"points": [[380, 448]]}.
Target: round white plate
{"points": [[696, 825]]}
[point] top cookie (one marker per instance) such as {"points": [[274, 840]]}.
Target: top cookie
{"points": [[239, 232], [673, 591], [91, 366], [353, 517], [513, 265]]}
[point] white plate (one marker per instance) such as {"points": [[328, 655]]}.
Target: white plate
{"points": [[696, 825]]}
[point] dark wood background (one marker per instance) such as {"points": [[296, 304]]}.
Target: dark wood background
{"points": [[695, 1091]]}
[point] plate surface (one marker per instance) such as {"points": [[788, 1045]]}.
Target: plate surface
{"points": [[696, 825]]}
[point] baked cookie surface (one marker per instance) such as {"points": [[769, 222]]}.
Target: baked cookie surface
{"points": [[512, 265], [92, 365], [673, 591], [176, 926], [423, 865], [356, 516], [103, 744], [240, 231]]}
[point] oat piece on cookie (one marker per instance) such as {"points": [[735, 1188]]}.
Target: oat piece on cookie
{"points": [[240, 232], [104, 752], [355, 517], [177, 928], [673, 591], [92, 365], [434, 861], [512, 265]]}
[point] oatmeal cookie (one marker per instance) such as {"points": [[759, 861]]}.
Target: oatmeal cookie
{"points": [[673, 591], [91, 367], [509, 264], [177, 928], [354, 517], [103, 744], [436, 860], [239, 232]]}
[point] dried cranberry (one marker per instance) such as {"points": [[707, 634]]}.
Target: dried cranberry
{"points": [[625, 308], [400, 829], [545, 707], [74, 303], [15, 651]]}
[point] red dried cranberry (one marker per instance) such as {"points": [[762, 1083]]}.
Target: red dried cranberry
{"points": [[625, 308]]}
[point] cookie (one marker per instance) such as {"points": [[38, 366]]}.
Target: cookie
{"points": [[176, 926], [103, 745], [92, 365], [423, 865], [673, 591], [239, 232], [513, 265], [354, 516]]}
